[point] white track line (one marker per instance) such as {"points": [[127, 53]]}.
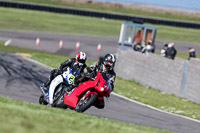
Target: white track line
{"points": [[142, 104], [7, 42]]}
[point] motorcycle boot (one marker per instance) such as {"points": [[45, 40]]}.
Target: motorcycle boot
{"points": [[44, 88], [46, 85]]}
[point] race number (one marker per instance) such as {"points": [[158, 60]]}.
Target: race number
{"points": [[70, 78]]}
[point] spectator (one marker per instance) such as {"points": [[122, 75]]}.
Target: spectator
{"points": [[163, 50], [171, 51], [191, 53], [137, 37], [143, 47], [136, 46], [149, 46]]}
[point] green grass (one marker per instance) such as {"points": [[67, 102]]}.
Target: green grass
{"points": [[169, 33], [155, 98], [161, 14], [186, 55], [22, 117], [16, 19], [130, 89]]}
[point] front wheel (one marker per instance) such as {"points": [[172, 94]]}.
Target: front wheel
{"points": [[60, 101], [41, 100], [59, 97], [85, 103]]}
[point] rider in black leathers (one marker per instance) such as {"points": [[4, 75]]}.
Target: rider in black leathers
{"points": [[105, 67], [78, 62]]}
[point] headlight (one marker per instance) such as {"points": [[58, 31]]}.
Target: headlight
{"points": [[102, 89]]}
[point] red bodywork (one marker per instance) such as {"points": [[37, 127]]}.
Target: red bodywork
{"points": [[97, 86]]}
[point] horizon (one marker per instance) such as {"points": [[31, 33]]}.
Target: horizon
{"points": [[193, 5]]}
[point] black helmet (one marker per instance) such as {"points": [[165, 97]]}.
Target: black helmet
{"points": [[109, 61], [81, 58]]}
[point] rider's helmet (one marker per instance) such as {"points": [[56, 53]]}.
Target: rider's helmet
{"points": [[109, 61], [81, 58]]}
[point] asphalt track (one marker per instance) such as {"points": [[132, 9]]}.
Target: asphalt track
{"points": [[20, 78], [50, 42]]}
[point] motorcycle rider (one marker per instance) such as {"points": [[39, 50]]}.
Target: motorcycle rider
{"points": [[78, 62], [105, 67]]}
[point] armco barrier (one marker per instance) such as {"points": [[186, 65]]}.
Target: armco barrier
{"points": [[98, 14], [179, 77]]}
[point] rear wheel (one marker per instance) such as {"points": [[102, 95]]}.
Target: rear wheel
{"points": [[85, 103]]}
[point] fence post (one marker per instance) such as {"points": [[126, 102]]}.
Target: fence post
{"points": [[184, 78]]}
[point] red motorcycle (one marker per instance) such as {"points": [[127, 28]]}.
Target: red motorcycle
{"points": [[86, 94]]}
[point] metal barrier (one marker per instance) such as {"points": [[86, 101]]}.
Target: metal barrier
{"points": [[82, 12]]}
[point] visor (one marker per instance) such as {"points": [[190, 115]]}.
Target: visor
{"points": [[81, 62], [110, 63]]}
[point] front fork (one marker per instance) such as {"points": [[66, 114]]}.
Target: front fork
{"points": [[45, 95]]}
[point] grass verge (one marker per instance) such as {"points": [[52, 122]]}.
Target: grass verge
{"points": [[130, 89], [16, 19], [22, 117], [117, 8], [186, 55]]}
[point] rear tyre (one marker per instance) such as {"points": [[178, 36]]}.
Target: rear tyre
{"points": [[85, 103]]}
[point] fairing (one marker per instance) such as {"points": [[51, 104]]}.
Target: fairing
{"points": [[72, 99], [97, 84], [55, 82]]}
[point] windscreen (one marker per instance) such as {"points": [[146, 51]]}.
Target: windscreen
{"points": [[106, 78]]}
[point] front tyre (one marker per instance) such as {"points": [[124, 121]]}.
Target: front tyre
{"points": [[41, 100], [85, 103], [60, 101]]}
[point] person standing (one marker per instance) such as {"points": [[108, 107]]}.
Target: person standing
{"points": [[163, 50], [149, 46], [191, 53], [171, 51]]}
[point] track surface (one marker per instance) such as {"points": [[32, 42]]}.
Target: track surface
{"points": [[20, 79], [50, 42]]}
